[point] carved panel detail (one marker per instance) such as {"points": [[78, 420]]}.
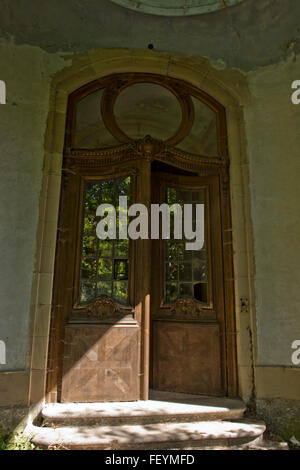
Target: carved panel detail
{"points": [[187, 309], [148, 149], [102, 309]]}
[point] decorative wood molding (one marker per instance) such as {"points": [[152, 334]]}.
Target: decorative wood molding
{"points": [[68, 172], [196, 158], [225, 180], [101, 309], [148, 149], [187, 309], [114, 84], [121, 82]]}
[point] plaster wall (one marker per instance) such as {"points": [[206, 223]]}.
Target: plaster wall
{"points": [[27, 73], [273, 139], [251, 34]]}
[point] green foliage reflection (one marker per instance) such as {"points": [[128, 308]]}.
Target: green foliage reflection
{"points": [[185, 270], [104, 263]]}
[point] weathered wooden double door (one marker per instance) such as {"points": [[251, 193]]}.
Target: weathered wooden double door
{"points": [[134, 310], [137, 312]]}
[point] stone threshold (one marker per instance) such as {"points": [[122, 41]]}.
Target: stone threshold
{"points": [[151, 411], [150, 436]]}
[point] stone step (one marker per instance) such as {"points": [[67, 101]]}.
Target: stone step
{"points": [[142, 412], [203, 434]]}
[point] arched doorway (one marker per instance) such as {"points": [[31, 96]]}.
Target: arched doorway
{"points": [[133, 314]]}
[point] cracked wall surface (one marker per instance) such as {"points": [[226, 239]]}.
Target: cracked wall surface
{"points": [[27, 72], [247, 36]]}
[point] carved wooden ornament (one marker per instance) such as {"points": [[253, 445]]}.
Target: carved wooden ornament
{"points": [[104, 308], [186, 308]]}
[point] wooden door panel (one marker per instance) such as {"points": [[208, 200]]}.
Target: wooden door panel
{"points": [[100, 363], [188, 327], [95, 352], [187, 358]]}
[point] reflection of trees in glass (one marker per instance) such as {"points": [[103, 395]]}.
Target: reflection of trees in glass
{"points": [[185, 271], [104, 263]]}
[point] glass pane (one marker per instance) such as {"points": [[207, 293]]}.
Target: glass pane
{"points": [[171, 291], [171, 271], [186, 289], [121, 248], [202, 139], [201, 291], [147, 108], [185, 270], [88, 269], [90, 131], [200, 269], [106, 248], [120, 291], [87, 291], [104, 288], [104, 263], [104, 268], [121, 269]]}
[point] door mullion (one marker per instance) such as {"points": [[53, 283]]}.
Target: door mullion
{"points": [[143, 277]]}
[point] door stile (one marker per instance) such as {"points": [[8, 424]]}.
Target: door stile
{"points": [[65, 291], [63, 279], [209, 318], [229, 299], [218, 284], [143, 279]]}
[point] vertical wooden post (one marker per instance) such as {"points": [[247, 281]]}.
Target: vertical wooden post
{"points": [[143, 282], [232, 379]]}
